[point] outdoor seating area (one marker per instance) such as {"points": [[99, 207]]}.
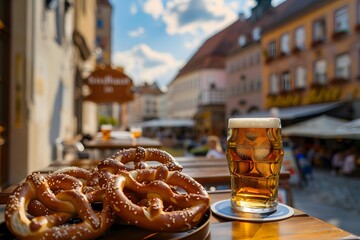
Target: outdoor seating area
{"points": [[180, 119], [213, 174]]}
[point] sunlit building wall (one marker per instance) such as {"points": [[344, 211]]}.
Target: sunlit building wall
{"points": [[103, 53], [183, 96], [85, 60], [145, 105], [244, 92], [42, 89], [243, 62], [163, 105], [313, 55], [134, 110], [103, 31]]}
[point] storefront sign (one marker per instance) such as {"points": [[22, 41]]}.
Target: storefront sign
{"points": [[106, 85]]}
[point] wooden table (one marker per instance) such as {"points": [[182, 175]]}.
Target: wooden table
{"points": [[212, 173], [117, 144], [101, 148], [299, 226]]}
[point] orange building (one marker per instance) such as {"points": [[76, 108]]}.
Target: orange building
{"points": [[312, 54]]}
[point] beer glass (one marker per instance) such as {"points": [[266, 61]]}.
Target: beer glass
{"points": [[136, 132], [254, 153], [106, 131]]}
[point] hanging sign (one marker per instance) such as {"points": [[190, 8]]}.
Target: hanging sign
{"points": [[106, 85]]}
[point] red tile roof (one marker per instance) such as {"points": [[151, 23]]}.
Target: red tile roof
{"points": [[212, 53], [151, 89], [214, 50]]}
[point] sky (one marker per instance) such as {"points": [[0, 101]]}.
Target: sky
{"points": [[153, 39]]}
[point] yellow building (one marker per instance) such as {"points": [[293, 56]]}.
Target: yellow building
{"points": [[311, 53]]}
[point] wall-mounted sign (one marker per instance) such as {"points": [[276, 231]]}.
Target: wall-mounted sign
{"points": [[106, 85]]}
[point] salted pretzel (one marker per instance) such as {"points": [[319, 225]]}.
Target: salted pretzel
{"points": [[139, 156], [154, 188], [53, 201]]}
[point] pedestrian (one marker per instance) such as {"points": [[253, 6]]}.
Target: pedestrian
{"points": [[337, 162], [349, 166], [215, 148], [304, 164]]}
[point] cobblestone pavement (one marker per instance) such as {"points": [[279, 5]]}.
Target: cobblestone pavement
{"points": [[332, 198]]}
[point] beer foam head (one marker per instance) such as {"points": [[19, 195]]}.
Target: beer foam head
{"points": [[254, 123]]}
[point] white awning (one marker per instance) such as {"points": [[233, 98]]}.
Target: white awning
{"points": [[168, 123], [295, 112], [318, 127], [349, 130]]}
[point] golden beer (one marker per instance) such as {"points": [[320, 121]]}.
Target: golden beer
{"points": [[106, 132], [136, 132], [254, 153]]}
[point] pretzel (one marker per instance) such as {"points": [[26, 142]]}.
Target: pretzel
{"points": [[154, 186], [54, 200], [139, 156]]}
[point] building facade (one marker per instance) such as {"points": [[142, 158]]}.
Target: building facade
{"points": [[244, 63], [85, 61], [312, 55], [48, 47], [145, 105], [41, 90], [198, 91], [103, 31]]}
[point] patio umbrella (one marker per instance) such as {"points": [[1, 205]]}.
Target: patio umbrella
{"points": [[350, 129], [319, 127]]}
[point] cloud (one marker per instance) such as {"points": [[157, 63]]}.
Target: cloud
{"points": [[197, 16], [246, 6], [133, 9], [137, 32], [154, 8], [144, 64], [192, 44]]}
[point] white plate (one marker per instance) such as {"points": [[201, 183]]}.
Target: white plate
{"points": [[223, 209]]}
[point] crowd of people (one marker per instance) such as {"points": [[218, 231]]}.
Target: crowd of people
{"points": [[342, 160], [346, 161]]}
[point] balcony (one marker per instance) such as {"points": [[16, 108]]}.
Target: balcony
{"points": [[269, 59], [339, 34], [317, 43], [297, 50], [212, 97], [339, 81]]}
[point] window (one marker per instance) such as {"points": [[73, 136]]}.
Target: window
{"points": [[99, 23], [272, 49], [342, 66], [300, 77], [320, 76], [286, 82], [59, 24], [341, 20], [274, 84], [358, 12], [300, 38], [285, 44], [319, 30], [242, 40], [256, 34], [258, 84]]}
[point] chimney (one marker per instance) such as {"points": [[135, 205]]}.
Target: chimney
{"points": [[259, 10], [242, 16]]}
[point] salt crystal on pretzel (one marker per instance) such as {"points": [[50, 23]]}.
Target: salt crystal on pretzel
{"points": [[157, 187], [61, 198], [140, 156]]}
